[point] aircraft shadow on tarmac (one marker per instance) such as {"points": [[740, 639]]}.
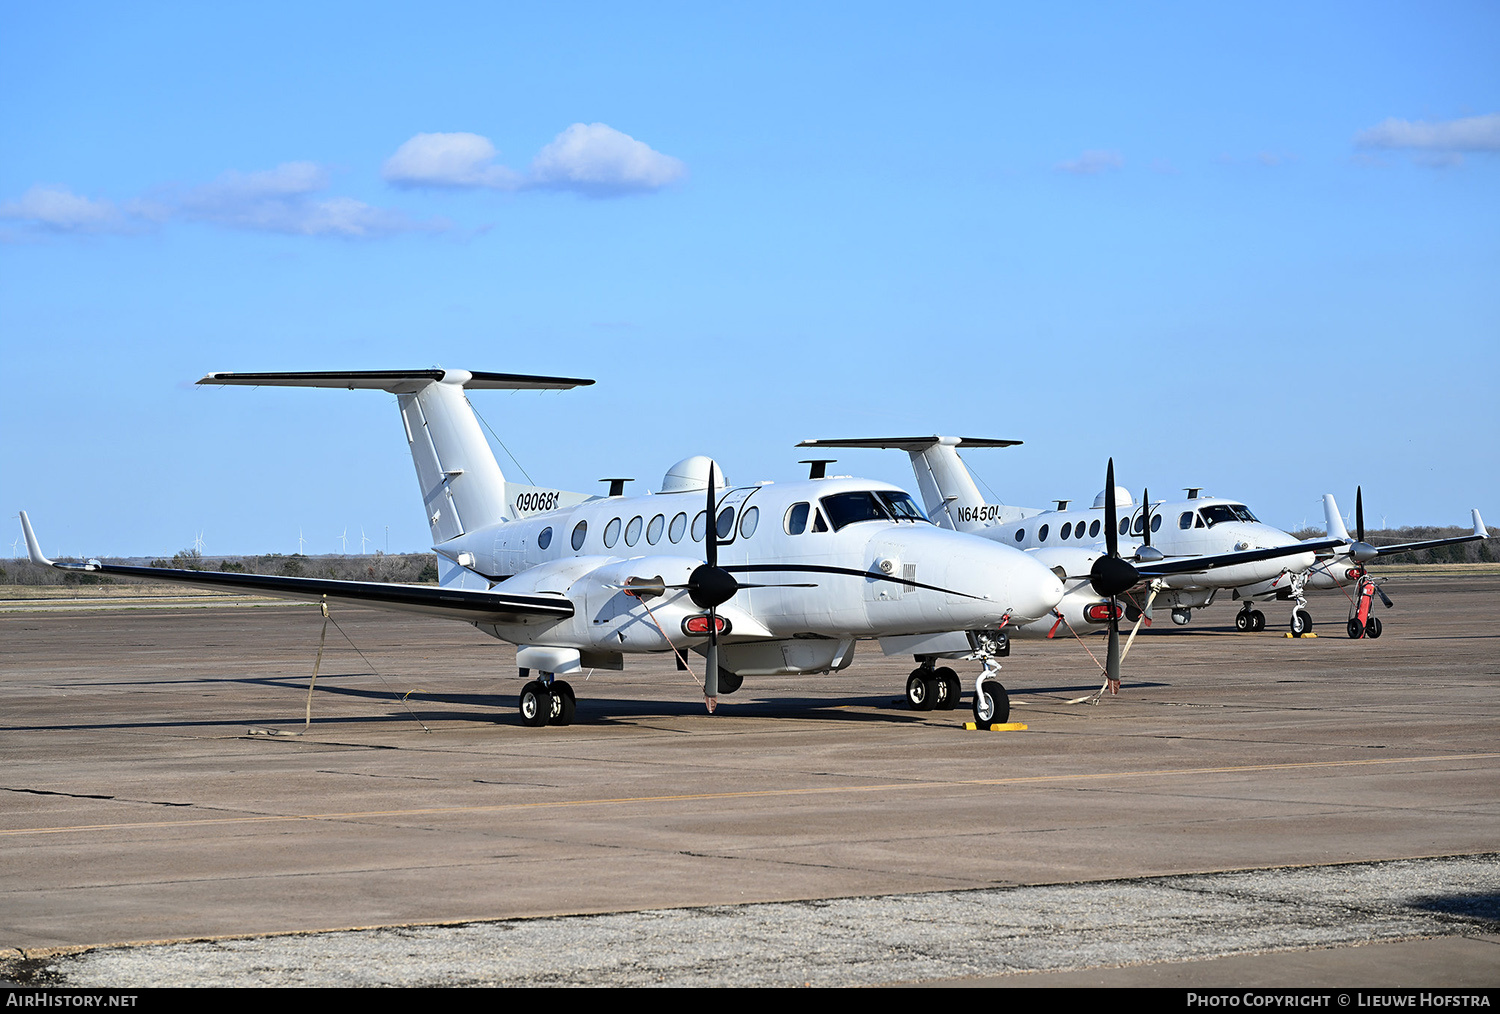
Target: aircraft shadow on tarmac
{"points": [[1485, 907]]}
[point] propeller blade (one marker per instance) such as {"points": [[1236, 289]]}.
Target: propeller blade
{"points": [[711, 672], [1111, 575], [1112, 658], [1111, 537], [710, 524], [1359, 513], [1384, 597], [1146, 515]]}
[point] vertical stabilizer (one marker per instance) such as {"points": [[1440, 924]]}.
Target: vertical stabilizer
{"points": [[462, 486], [948, 492]]}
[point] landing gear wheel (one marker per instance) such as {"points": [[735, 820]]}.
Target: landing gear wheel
{"points": [[991, 704], [922, 690], [1257, 620], [729, 682], [564, 704], [1242, 620], [1355, 630], [1373, 627], [1301, 622], [950, 689], [536, 704]]}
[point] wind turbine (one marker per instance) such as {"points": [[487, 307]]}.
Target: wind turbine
{"points": [[344, 541], [362, 540], [299, 542]]}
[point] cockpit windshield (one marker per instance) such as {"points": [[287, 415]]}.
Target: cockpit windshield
{"points": [[902, 506], [1215, 513], [850, 508]]}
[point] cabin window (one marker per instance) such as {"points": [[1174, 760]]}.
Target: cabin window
{"points": [[633, 530], [653, 530], [748, 522], [1020, 535], [1124, 526], [545, 539], [579, 531], [1093, 529], [725, 525], [611, 533], [1186, 521], [678, 529], [796, 518], [1041, 534], [1140, 524], [1079, 533], [1156, 523], [700, 526], [1067, 531]]}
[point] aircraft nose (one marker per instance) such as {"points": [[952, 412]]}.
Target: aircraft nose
{"points": [[1012, 580], [1034, 590]]}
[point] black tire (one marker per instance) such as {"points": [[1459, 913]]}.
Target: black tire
{"points": [[950, 689], [921, 690], [1257, 620], [536, 705], [991, 704], [729, 682], [564, 703], [1355, 630], [1373, 628], [1301, 622], [1242, 620]]}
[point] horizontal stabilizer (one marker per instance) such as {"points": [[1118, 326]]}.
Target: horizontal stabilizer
{"points": [[910, 443], [398, 381]]}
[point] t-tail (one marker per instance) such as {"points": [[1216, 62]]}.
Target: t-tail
{"points": [[462, 486], [948, 491]]}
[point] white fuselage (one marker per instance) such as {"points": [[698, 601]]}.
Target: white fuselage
{"points": [[874, 576], [1069, 542]]}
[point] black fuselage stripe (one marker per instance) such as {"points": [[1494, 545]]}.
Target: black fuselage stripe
{"points": [[811, 568]]}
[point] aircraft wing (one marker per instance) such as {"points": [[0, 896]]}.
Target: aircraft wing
{"points": [[1411, 547], [450, 603], [1212, 561]]}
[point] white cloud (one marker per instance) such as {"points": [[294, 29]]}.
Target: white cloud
{"points": [[1473, 133], [588, 158], [281, 200], [58, 209], [1091, 163], [597, 159], [449, 160]]}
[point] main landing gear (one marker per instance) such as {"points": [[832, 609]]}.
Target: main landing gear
{"points": [[1249, 619], [547, 701], [928, 689]]}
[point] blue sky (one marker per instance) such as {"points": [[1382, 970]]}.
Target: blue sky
{"points": [[1252, 248]]}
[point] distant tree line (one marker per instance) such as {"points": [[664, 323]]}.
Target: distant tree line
{"points": [[396, 568]]}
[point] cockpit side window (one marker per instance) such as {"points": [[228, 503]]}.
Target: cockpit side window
{"points": [[796, 518]]}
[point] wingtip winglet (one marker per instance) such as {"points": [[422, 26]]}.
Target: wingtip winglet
{"points": [[33, 550], [1479, 528]]}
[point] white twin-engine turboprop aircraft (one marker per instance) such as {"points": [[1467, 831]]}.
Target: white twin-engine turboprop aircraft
{"points": [[1182, 554], [784, 579]]}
